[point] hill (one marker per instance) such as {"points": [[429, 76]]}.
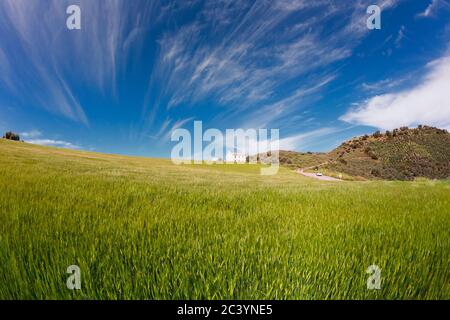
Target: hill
{"points": [[294, 159], [401, 154], [142, 228]]}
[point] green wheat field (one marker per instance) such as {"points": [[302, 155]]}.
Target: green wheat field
{"points": [[146, 229]]}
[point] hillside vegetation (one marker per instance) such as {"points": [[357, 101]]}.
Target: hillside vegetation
{"points": [[401, 154], [292, 159], [146, 229]]}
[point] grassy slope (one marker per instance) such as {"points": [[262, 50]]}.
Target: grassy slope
{"points": [[144, 228]]}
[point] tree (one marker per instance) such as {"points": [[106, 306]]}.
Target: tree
{"points": [[377, 134], [11, 136]]}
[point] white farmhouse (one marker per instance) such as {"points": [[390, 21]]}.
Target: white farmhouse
{"points": [[234, 157]]}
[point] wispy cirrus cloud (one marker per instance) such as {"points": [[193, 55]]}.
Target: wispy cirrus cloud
{"points": [[259, 50], [276, 112], [167, 132], [385, 85], [55, 62], [248, 62], [432, 9]]}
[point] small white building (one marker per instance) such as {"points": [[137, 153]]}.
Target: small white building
{"points": [[234, 157]]}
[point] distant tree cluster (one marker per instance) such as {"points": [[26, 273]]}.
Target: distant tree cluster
{"points": [[11, 136]]}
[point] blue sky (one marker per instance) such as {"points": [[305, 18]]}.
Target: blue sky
{"points": [[137, 70]]}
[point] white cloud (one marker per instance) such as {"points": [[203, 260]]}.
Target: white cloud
{"points": [[35, 137], [30, 134], [302, 140], [426, 103], [258, 144], [53, 143]]}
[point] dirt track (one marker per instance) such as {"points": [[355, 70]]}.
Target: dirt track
{"points": [[313, 175]]}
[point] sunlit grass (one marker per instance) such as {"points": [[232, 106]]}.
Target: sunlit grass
{"points": [[147, 229]]}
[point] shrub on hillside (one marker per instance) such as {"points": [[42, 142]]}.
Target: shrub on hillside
{"points": [[377, 134]]}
